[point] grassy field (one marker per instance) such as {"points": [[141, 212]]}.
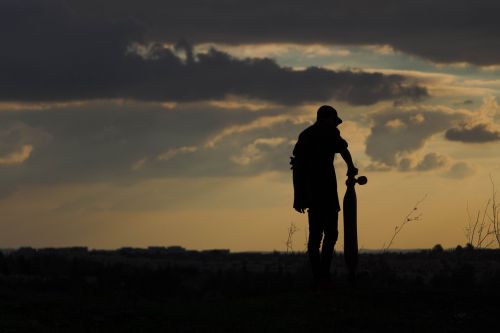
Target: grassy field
{"points": [[426, 291]]}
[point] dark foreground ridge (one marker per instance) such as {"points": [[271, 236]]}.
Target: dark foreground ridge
{"points": [[174, 290]]}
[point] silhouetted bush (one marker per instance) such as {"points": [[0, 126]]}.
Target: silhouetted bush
{"points": [[438, 248]]}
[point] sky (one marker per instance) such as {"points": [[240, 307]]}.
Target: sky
{"points": [[161, 123]]}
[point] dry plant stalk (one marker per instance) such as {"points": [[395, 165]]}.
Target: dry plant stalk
{"points": [[292, 229], [478, 231], [413, 215], [495, 211], [485, 227], [306, 237]]}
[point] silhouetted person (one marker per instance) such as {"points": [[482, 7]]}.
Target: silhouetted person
{"points": [[315, 186]]}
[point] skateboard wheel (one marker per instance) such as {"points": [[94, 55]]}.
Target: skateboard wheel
{"points": [[362, 180]]}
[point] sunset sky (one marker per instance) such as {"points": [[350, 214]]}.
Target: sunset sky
{"points": [[158, 123]]}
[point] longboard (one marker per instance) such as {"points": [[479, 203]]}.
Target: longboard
{"points": [[350, 225]]}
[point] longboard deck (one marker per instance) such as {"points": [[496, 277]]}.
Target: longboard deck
{"points": [[350, 225]]}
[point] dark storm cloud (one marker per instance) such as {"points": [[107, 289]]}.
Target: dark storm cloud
{"points": [[215, 74], [473, 133], [55, 51], [116, 71], [443, 31]]}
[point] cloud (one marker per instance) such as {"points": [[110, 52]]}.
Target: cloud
{"points": [[399, 132], [479, 127], [405, 164], [17, 157], [478, 133], [103, 141], [469, 29], [256, 150], [74, 54], [378, 167], [129, 142], [18, 140], [259, 123], [395, 124], [460, 170], [431, 161], [282, 49], [158, 73], [139, 164], [171, 153]]}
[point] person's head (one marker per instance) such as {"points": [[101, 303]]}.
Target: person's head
{"points": [[328, 115]]}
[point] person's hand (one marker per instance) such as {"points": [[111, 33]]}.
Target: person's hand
{"points": [[300, 210], [351, 172]]}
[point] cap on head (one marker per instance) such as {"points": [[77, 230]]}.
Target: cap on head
{"points": [[326, 112]]}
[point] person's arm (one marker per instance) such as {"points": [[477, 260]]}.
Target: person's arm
{"points": [[351, 169], [346, 155]]}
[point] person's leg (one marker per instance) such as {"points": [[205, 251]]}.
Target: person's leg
{"points": [[331, 234], [314, 241]]}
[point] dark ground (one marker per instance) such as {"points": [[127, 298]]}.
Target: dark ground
{"points": [[75, 290]]}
